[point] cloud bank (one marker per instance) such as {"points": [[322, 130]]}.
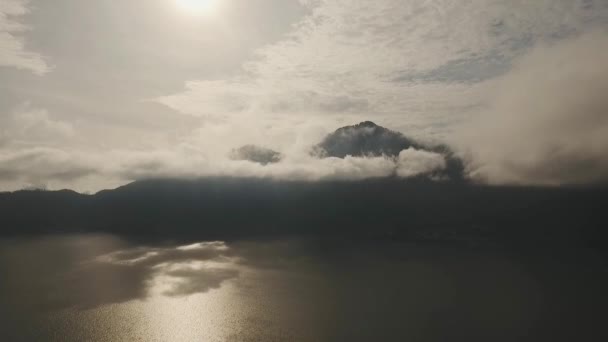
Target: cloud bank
{"points": [[548, 123], [368, 156], [414, 162]]}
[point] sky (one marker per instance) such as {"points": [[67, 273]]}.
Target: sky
{"points": [[96, 94]]}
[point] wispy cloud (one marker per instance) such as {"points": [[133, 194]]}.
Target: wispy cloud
{"points": [[387, 57], [13, 50]]}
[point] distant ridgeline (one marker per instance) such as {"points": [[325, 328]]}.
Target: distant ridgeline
{"points": [[410, 209], [229, 208]]}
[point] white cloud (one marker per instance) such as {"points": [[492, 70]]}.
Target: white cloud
{"points": [[419, 66], [42, 168], [412, 162], [57, 169], [29, 125], [34, 152], [13, 50], [347, 56], [548, 123], [185, 164]]}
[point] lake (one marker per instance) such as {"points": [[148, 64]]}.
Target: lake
{"points": [[105, 288]]}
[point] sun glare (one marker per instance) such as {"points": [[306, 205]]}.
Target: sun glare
{"points": [[196, 6]]}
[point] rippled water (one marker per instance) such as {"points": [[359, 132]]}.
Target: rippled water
{"points": [[103, 288]]}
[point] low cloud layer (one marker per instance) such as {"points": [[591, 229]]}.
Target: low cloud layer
{"points": [[414, 162], [548, 123], [293, 167], [54, 168], [41, 168]]}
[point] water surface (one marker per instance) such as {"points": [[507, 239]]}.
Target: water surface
{"points": [[104, 288]]}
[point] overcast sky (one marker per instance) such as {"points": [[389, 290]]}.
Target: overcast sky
{"points": [[94, 94]]}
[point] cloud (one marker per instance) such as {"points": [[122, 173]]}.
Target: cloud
{"points": [[13, 50], [256, 154], [57, 169], [30, 125], [182, 164], [548, 123], [40, 167], [420, 67], [33, 152], [412, 162], [386, 58]]}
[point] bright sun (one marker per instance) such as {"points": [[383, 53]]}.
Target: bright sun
{"points": [[197, 6]]}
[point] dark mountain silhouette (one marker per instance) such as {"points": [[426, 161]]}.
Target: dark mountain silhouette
{"points": [[364, 139], [233, 208], [369, 139], [256, 154]]}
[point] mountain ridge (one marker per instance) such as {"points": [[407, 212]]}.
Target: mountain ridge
{"points": [[235, 208]]}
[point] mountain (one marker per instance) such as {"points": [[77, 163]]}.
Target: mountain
{"points": [[407, 209], [364, 139], [239, 208], [256, 154], [369, 139]]}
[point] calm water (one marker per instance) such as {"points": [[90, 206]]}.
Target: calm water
{"points": [[103, 288]]}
